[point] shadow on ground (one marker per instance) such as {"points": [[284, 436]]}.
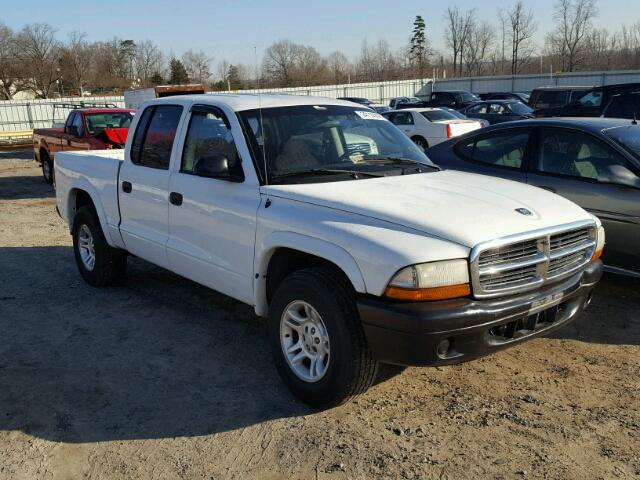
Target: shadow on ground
{"points": [[16, 154], [160, 357], [25, 187]]}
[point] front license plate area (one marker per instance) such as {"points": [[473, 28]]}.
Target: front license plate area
{"points": [[546, 302]]}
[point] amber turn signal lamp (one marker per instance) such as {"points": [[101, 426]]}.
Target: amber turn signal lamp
{"points": [[428, 294]]}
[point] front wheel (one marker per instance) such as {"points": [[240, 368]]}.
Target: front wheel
{"points": [[420, 142], [317, 340]]}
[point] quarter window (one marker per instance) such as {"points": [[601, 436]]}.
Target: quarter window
{"points": [[575, 154], [153, 140], [207, 136]]}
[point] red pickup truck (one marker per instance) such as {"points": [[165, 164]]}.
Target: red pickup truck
{"points": [[84, 129]]}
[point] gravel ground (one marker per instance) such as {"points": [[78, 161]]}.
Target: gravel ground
{"points": [[163, 378]]}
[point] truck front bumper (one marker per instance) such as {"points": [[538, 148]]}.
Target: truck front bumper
{"points": [[454, 331]]}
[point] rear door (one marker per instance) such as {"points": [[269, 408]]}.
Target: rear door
{"points": [[569, 162], [144, 183]]}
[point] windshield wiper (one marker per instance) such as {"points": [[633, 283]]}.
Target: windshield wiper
{"points": [[329, 171], [398, 161]]}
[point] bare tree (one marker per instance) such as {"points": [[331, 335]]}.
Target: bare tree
{"points": [[459, 26], [521, 31], [279, 61], [41, 54], [573, 25], [75, 61], [376, 63], [149, 60], [310, 67], [198, 65], [339, 67], [11, 76], [479, 44]]}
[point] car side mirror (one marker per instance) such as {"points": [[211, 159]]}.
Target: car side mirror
{"points": [[73, 130], [217, 166], [618, 175]]}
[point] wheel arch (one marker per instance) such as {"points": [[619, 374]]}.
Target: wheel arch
{"points": [[83, 195], [420, 137], [282, 253]]}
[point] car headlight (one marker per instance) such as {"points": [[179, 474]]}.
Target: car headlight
{"points": [[599, 244], [431, 281]]}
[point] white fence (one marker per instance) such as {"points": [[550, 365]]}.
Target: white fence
{"points": [[25, 115]]}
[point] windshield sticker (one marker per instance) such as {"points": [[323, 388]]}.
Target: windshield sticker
{"points": [[369, 115]]}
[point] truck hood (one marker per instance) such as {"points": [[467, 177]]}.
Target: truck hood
{"points": [[461, 207]]}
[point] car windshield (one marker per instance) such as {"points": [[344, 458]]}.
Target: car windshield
{"points": [[99, 121], [466, 97], [333, 142], [435, 115], [627, 137], [520, 108]]}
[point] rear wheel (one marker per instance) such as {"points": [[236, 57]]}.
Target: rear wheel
{"points": [[317, 340], [420, 142], [98, 262], [47, 167]]}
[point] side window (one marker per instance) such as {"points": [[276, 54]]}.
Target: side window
{"points": [[208, 136], [591, 99], [497, 109], [575, 154], [77, 122], [482, 108], [504, 149], [401, 118], [552, 98], [70, 119], [154, 136]]}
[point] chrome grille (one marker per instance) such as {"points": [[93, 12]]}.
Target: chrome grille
{"points": [[525, 262]]}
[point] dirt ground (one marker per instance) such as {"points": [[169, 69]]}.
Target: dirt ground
{"points": [[163, 378]]}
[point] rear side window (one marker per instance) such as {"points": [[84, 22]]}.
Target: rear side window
{"points": [[591, 99], [482, 109], [153, 140], [503, 149], [401, 118], [551, 99], [624, 106]]}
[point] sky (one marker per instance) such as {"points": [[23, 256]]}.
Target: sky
{"points": [[228, 29]]}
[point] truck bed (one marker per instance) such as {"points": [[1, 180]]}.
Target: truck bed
{"points": [[97, 172]]}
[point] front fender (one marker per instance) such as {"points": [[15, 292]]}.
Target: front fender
{"points": [[313, 246]]}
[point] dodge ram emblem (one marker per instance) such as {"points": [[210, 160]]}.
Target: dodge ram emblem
{"points": [[524, 211]]}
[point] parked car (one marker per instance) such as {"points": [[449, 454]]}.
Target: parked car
{"points": [[378, 107], [498, 111], [592, 102], [546, 101], [517, 96], [624, 105], [355, 259], [430, 126], [594, 162], [360, 100], [393, 103], [84, 129], [456, 99]]}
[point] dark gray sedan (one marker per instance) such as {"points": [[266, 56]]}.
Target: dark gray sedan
{"points": [[594, 162], [498, 111]]}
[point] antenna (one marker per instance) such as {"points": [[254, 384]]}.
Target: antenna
{"points": [[264, 139]]}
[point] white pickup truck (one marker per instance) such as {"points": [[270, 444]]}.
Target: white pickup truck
{"points": [[329, 221]]}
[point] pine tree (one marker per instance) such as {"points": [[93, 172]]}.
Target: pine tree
{"points": [[156, 79], [418, 45], [178, 73]]}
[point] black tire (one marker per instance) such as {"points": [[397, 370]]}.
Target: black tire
{"points": [[47, 167], [110, 263], [351, 368], [420, 142]]}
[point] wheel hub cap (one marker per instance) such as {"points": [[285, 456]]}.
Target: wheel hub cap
{"points": [[86, 248], [305, 341]]}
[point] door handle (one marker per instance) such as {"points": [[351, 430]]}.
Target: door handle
{"points": [[550, 189], [175, 198], [126, 187]]}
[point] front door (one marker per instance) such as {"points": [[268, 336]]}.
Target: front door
{"points": [[212, 219], [571, 163], [144, 184]]}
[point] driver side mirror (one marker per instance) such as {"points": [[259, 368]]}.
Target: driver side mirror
{"points": [[217, 166], [618, 175]]}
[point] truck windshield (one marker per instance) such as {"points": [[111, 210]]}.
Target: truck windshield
{"points": [[97, 122], [627, 137], [328, 143]]}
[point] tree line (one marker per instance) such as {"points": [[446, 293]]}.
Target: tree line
{"points": [[36, 60]]}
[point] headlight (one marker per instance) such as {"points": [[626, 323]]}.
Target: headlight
{"points": [[599, 244], [431, 281]]}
